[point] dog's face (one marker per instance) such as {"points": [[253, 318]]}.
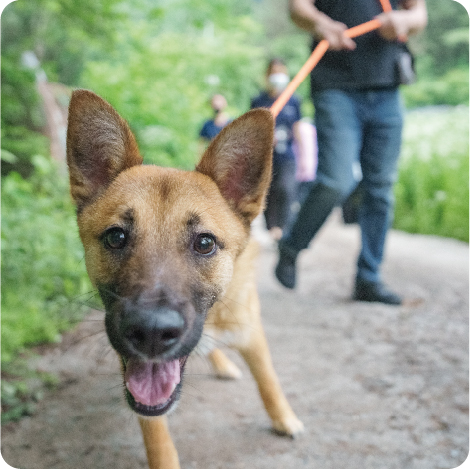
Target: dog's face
{"points": [[160, 244]]}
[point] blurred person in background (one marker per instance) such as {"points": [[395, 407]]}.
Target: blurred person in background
{"points": [[283, 190], [213, 126], [359, 118]]}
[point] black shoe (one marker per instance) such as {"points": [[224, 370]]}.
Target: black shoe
{"points": [[375, 291], [286, 270]]}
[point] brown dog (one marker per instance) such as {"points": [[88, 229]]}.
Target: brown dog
{"points": [[168, 251]]}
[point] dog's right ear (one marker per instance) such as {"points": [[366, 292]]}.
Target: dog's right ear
{"points": [[100, 145]]}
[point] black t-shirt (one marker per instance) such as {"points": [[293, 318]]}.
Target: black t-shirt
{"points": [[373, 64]]}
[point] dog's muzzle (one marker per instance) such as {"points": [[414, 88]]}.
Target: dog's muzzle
{"points": [[154, 337], [151, 386]]}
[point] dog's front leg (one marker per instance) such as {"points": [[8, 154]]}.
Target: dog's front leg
{"points": [[161, 452], [258, 358]]}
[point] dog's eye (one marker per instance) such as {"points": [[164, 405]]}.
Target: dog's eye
{"points": [[115, 238], [205, 244]]}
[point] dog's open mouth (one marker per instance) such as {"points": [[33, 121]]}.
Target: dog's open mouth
{"points": [[153, 388]]}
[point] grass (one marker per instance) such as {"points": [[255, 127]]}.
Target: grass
{"points": [[43, 278], [43, 271], [432, 192], [22, 388]]}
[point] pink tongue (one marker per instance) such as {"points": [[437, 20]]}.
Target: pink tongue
{"points": [[152, 384]]}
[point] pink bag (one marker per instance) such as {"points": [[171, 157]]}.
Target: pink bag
{"points": [[306, 154]]}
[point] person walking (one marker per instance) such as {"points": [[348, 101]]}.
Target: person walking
{"points": [[212, 127], [358, 117], [283, 190]]}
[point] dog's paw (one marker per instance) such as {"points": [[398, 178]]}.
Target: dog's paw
{"points": [[224, 368], [228, 371], [290, 426]]}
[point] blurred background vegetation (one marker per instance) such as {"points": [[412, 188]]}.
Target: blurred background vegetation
{"points": [[158, 62]]}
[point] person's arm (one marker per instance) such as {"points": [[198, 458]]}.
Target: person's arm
{"points": [[306, 16], [410, 19]]}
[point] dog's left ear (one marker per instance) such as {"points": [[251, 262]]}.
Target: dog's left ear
{"points": [[100, 145], [239, 160]]}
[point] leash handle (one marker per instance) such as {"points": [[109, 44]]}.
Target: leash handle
{"points": [[386, 7], [318, 53]]}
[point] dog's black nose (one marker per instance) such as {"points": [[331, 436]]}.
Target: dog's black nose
{"points": [[153, 331]]}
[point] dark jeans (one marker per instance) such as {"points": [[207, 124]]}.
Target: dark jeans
{"points": [[364, 126], [282, 194]]}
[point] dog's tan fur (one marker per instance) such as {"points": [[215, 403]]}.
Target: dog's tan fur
{"points": [[222, 196]]}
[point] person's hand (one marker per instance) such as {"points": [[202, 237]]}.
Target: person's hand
{"points": [[399, 24], [394, 25], [408, 4], [333, 32]]}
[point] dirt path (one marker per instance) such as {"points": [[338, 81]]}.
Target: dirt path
{"points": [[376, 386]]}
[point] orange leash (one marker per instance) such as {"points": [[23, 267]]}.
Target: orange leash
{"points": [[308, 66], [317, 54], [386, 5]]}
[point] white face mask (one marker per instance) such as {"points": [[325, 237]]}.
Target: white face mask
{"points": [[278, 81]]}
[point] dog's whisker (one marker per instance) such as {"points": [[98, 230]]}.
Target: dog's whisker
{"points": [[90, 293], [110, 374], [113, 294], [66, 348], [106, 349], [85, 299], [215, 342], [203, 356], [114, 386], [185, 392]]}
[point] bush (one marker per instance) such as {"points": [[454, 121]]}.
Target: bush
{"points": [[42, 261], [161, 85], [450, 89], [21, 118], [432, 193]]}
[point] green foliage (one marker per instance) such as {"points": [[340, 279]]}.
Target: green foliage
{"points": [[21, 117], [22, 388], [43, 270], [441, 52], [162, 84], [451, 89], [432, 193], [60, 32], [444, 42]]}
